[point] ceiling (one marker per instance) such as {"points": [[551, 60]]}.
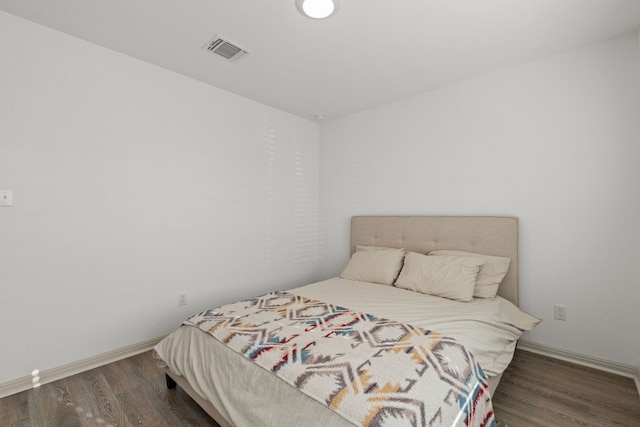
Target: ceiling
{"points": [[371, 52]]}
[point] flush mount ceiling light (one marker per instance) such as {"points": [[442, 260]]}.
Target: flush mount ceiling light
{"points": [[318, 9]]}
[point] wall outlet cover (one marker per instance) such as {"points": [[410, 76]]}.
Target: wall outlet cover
{"points": [[6, 198]]}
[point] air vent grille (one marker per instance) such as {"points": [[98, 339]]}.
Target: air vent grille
{"points": [[226, 49]]}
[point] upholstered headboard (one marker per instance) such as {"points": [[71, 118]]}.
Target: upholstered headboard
{"points": [[483, 234]]}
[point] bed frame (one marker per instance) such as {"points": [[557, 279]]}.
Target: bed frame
{"points": [[488, 235]]}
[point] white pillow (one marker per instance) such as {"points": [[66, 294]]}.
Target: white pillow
{"points": [[450, 277], [379, 265], [490, 275]]}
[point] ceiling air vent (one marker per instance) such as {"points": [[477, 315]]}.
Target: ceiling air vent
{"points": [[226, 49]]}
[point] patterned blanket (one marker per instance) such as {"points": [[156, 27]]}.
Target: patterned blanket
{"points": [[372, 371]]}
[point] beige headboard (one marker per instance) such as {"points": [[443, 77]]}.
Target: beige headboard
{"points": [[483, 234]]}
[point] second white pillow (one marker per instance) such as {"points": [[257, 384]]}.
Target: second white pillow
{"points": [[450, 277]]}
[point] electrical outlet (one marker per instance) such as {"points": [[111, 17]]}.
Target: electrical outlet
{"points": [[560, 312], [182, 299], [6, 198]]}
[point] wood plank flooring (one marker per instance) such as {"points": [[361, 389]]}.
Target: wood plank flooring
{"points": [[535, 391], [540, 391], [131, 392]]}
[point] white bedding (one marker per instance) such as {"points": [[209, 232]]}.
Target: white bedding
{"points": [[489, 328], [248, 395]]}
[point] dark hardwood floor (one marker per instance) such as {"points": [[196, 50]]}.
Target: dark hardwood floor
{"points": [[131, 392], [540, 391], [535, 391]]}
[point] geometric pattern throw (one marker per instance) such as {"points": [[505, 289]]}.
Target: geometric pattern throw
{"points": [[372, 371]]}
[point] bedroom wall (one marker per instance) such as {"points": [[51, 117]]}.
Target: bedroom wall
{"points": [[555, 142], [132, 184]]}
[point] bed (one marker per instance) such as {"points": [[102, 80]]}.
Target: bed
{"points": [[234, 390]]}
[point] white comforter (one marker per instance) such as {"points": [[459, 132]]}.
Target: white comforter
{"points": [[488, 328]]}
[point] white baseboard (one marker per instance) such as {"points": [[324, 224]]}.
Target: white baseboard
{"points": [[54, 374], [581, 359]]}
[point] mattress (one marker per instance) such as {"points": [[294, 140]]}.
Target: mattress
{"points": [[247, 395]]}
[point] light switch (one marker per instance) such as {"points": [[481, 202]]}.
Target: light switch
{"points": [[6, 197]]}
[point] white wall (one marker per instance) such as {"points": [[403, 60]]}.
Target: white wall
{"points": [[555, 142], [132, 184]]}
